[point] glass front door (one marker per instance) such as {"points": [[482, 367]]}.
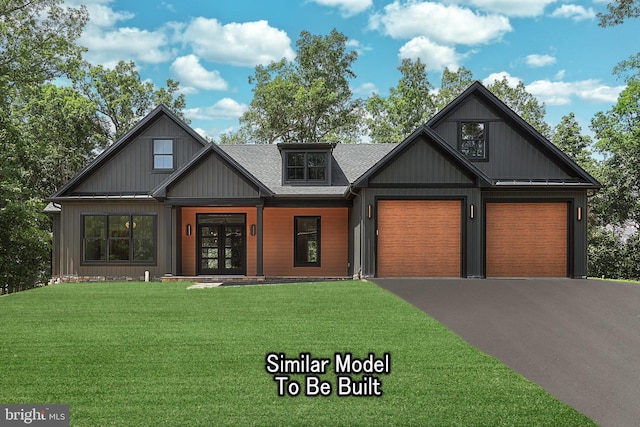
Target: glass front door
{"points": [[221, 242]]}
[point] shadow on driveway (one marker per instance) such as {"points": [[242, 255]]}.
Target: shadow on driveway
{"points": [[578, 339]]}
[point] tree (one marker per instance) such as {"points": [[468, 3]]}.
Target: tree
{"points": [[408, 106], [453, 83], [63, 129], [37, 44], [307, 100], [618, 135], [618, 11], [568, 137], [123, 98], [523, 103]]}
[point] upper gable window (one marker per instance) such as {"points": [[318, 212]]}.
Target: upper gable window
{"points": [[306, 167], [473, 140], [163, 154]]}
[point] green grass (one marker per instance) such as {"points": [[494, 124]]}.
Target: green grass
{"points": [[140, 354], [615, 280]]}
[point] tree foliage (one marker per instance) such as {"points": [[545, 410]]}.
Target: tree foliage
{"points": [[452, 84], [568, 137], [618, 11], [123, 98], [306, 100], [523, 103], [37, 44], [408, 105]]}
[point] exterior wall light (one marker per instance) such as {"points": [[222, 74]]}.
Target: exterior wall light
{"points": [[253, 229], [369, 211], [579, 214], [188, 230], [472, 211]]}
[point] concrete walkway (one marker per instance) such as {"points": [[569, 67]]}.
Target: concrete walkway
{"points": [[578, 339]]}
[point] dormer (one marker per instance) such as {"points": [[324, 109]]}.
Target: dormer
{"points": [[306, 164]]}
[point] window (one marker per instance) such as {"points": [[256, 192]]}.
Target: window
{"points": [[473, 140], [307, 241], [119, 238], [310, 167], [163, 154]]}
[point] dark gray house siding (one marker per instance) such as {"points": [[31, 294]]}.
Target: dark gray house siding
{"points": [[70, 262], [212, 178], [131, 168], [422, 164]]}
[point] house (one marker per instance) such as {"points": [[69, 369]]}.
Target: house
{"points": [[474, 192]]}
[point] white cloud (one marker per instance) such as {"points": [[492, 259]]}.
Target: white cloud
{"points": [[560, 75], [562, 93], [365, 89], [245, 44], [577, 13], [226, 108], [435, 56], [536, 60], [107, 45], [347, 7], [444, 24], [189, 72], [520, 8], [511, 80]]}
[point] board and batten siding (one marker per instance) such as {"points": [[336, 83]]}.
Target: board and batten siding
{"points": [[70, 241], [422, 163], [279, 238], [212, 177], [130, 170]]}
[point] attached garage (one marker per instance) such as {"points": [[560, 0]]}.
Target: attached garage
{"points": [[419, 238], [526, 239]]}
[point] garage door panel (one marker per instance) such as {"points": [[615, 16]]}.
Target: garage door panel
{"points": [[419, 238], [526, 239]]}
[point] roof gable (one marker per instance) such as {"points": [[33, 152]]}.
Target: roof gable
{"points": [[516, 151], [212, 173], [126, 167], [423, 159]]}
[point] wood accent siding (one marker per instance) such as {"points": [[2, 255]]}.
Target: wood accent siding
{"points": [[419, 238], [421, 163], [526, 239], [279, 238], [189, 242]]}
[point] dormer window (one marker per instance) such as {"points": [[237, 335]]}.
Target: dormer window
{"points": [[306, 164], [473, 140]]}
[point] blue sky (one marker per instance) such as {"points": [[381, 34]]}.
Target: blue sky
{"points": [[554, 47]]}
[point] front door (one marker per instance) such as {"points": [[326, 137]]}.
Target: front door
{"points": [[221, 243]]}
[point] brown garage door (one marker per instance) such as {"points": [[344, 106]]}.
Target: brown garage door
{"points": [[526, 240], [419, 238]]}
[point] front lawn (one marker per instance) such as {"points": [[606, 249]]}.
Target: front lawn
{"points": [[141, 354]]}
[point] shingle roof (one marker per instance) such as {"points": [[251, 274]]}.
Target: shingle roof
{"points": [[264, 162]]}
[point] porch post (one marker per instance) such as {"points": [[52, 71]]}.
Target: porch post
{"points": [[259, 266], [168, 241]]}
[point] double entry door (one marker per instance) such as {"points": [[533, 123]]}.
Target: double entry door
{"points": [[221, 244]]}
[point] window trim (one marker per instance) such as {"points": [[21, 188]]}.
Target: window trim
{"points": [[297, 263], [485, 139], [130, 239], [153, 155], [306, 168]]}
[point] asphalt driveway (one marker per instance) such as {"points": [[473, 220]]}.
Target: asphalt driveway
{"points": [[578, 339]]}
